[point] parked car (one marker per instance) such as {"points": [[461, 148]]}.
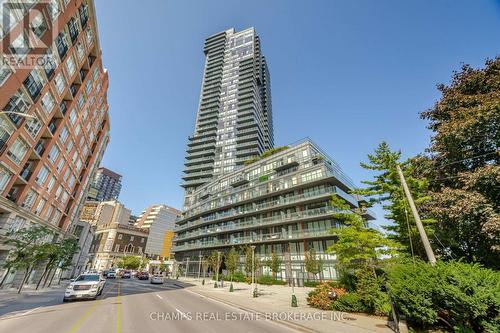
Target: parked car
{"points": [[156, 279], [126, 275], [105, 273], [111, 275], [85, 286], [142, 275]]}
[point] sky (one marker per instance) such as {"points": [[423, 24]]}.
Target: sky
{"points": [[347, 74]]}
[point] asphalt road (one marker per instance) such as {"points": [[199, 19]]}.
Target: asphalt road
{"points": [[130, 306]]}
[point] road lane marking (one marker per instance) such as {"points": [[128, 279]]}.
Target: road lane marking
{"points": [[159, 296], [118, 316], [17, 315]]}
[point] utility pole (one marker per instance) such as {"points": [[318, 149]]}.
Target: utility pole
{"points": [[199, 265], [420, 227]]}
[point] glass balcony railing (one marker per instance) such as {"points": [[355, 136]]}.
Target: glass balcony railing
{"points": [[235, 241], [268, 221]]}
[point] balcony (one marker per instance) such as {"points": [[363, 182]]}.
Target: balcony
{"points": [[262, 208], [26, 173], [265, 238], [39, 148], [52, 126]]}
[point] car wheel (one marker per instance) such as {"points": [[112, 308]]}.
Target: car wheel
{"points": [[65, 300]]}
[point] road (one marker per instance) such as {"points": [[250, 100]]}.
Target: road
{"points": [[131, 306]]}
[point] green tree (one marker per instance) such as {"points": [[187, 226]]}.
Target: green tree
{"points": [[27, 249], [129, 262], [68, 248], [357, 246], [252, 263], [215, 261], [313, 264], [232, 260], [205, 265], [144, 263], [385, 189], [463, 165], [274, 263]]}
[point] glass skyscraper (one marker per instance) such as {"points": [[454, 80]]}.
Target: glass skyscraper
{"points": [[234, 120]]}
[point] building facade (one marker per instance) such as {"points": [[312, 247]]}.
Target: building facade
{"points": [[280, 204], [106, 185], [51, 70], [159, 220], [234, 119], [114, 241]]}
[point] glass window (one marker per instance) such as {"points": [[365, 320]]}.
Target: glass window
{"points": [[5, 70], [38, 25], [60, 83], [5, 176], [70, 65], [48, 102], [72, 116], [40, 206], [53, 153], [18, 150], [63, 136], [29, 200], [42, 175], [51, 183], [20, 47], [33, 126]]}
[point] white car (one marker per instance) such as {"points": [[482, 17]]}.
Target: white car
{"points": [[111, 275], [156, 279], [85, 286]]}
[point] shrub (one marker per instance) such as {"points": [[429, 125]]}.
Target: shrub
{"points": [[350, 302], [237, 277], [269, 280], [312, 284], [460, 295], [368, 288], [318, 298]]}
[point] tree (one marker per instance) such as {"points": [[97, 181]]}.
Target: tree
{"points": [[205, 265], [67, 250], [463, 165], [232, 260], [144, 263], [129, 262], [27, 249], [357, 246], [385, 189], [274, 263], [251, 261], [312, 264]]}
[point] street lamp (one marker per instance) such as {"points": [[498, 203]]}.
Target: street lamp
{"points": [[253, 271], [217, 272], [187, 268], [20, 114], [199, 265]]}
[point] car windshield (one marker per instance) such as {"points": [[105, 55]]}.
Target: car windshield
{"points": [[88, 278]]}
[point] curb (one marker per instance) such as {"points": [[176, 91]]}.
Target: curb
{"points": [[287, 323]]}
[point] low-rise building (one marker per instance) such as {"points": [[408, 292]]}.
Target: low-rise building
{"points": [[115, 240], [280, 204]]}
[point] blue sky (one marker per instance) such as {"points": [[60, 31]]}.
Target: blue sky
{"points": [[348, 74]]}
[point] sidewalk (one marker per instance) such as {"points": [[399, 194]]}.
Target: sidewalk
{"points": [[8, 294], [274, 302]]}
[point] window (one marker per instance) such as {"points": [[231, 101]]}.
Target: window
{"points": [[38, 25], [70, 145], [17, 224], [40, 206], [5, 71], [5, 176], [20, 47], [56, 217], [131, 238], [65, 197], [18, 103], [71, 181], [89, 35], [49, 212], [55, 9], [48, 102], [42, 175], [53, 153], [58, 192], [62, 44], [70, 66], [34, 83], [142, 240], [51, 183], [78, 128], [72, 116], [73, 29], [81, 100], [63, 136], [30, 199], [120, 236], [6, 130], [60, 83], [18, 150], [117, 247], [80, 51], [60, 164], [33, 126]]}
